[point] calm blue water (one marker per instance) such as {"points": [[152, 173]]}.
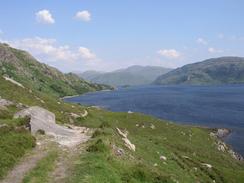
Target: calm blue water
{"points": [[212, 106]]}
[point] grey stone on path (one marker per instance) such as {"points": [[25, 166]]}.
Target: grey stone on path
{"points": [[42, 119]]}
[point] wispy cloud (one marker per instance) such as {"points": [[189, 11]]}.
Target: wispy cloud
{"points": [[45, 17], [49, 50], [202, 41], [83, 15], [86, 53], [214, 50], [169, 53]]}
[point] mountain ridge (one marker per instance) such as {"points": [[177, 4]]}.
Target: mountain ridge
{"points": [[221, 70], [133, 75]]}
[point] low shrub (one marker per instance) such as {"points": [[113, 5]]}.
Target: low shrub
{"points": [[98, 146]]}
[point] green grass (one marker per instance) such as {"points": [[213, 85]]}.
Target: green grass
{"points": [[100, 164], [40, 174], [15, 140], [14, 143]]}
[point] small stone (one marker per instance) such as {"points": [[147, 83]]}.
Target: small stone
{"points": [[163, 158], [152, 126], [207, 165]]}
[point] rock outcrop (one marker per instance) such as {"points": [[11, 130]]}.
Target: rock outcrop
{"points": [[42, 119], [127, 142], [219, 134]]}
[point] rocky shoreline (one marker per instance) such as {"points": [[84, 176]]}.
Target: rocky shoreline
{"points": [[220, 134]]}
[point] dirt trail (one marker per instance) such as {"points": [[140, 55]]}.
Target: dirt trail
{"points": [[65, 164], [27, 163], [66, 159], [68, 156], [69, 141]]}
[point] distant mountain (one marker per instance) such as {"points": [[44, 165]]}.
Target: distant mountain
{"points": [[134, 75], [22, 67], [90, 75], [223, 70]]}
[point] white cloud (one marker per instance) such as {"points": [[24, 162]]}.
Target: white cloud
{"points": [[48, 50], [83, 15], [214, 50], [202, 41], [86, 53], [45, 17], [169, 53]]}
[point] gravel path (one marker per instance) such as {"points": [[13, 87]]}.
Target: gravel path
{"points": [[68, 140], [27, 163]]}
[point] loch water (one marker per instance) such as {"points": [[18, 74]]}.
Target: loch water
{"points": [[211, 106]]}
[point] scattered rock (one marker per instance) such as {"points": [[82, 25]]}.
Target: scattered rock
{"points": [[235, 155], [13, 81], [155, 164], [152, 126], [118, 151], [162, 158], [127, 142], [130, 112], [123, 134], [84, 114], [207, 165], [220, 133], [186, 157]]}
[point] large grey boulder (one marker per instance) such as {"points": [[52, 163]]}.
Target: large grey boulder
{"points": [[42, 119]]}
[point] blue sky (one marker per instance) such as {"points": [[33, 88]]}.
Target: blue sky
{"points": [[82, 35]]}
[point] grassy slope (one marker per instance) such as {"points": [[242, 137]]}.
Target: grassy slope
{"points": [[25, 69], [100, 164], [222, 70], [14, 142], [168, 139]]}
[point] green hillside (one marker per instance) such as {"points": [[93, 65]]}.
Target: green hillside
{"points": [[164, 151], [22, 67], [223, 70]]}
